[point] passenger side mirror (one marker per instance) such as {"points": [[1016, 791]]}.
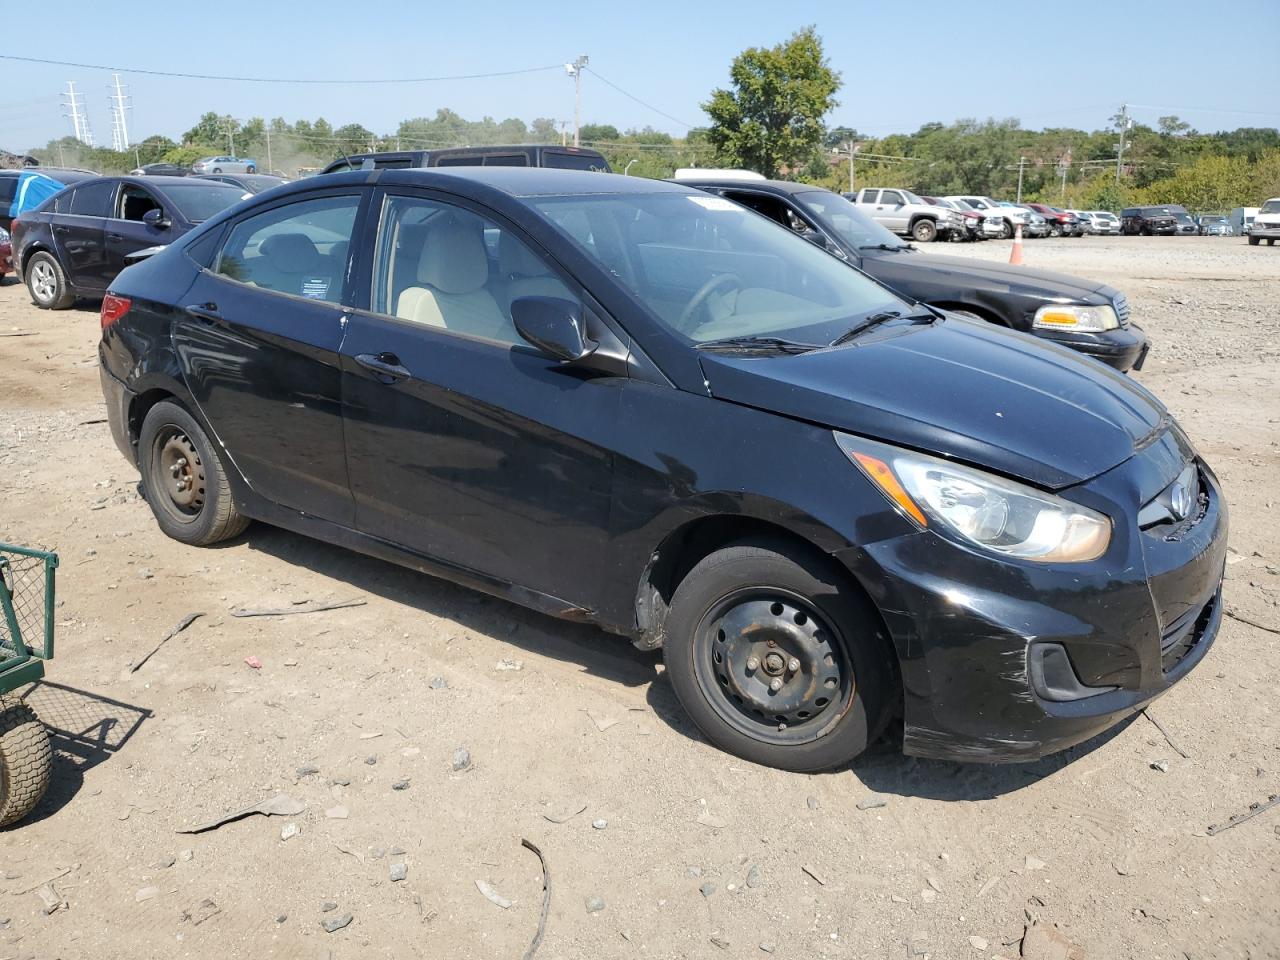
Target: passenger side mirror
{"points": [[155, 218], [553, 325]]}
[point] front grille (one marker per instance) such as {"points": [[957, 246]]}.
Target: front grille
{"points": [[1181, 637], [1121, 305]]}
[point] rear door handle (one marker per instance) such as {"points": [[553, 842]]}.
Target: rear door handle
{"points": [[204, 311], [385, 366], [115, 236]]}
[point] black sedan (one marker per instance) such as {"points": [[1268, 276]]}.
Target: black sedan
{"points": [[74, 243], [248, 182], [160, 170], [631, 403], [1082, 314]]}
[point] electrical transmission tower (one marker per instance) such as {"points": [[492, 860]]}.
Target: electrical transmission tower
{"points": [[119, 109], [74, 103]]}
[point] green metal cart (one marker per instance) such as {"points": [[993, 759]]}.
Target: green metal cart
{"points": [[26, 642]]}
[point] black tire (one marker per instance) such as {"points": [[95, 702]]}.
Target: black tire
{"points": [[183, 479], [1006, 230], [47, 283], [250, 169], [924, 230], [217, 169], [26, 759], [1271, 241], [1055, 231], [793, 603], [1253, 241]]}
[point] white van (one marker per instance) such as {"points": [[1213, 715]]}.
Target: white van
{"points": [[1266, 226], [1242, 219]]}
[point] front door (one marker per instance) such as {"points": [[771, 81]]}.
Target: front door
{"points": [[125, 233], [890, 211], [464, 443], [259, 340]]}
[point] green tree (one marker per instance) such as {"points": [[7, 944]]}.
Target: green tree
{"points": [[772, 117], [599, 131]]}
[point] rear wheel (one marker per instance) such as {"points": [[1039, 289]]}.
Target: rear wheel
{"points": [[1055, 231], [924, 231], [183, 480], [47, 283], [25, 760], [776, 658], [1006, 230], [217, 169]]}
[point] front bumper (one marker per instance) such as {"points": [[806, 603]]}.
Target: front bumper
{"points": [[1124, 348], [118, 399], [1265, 231], [971, 630]]}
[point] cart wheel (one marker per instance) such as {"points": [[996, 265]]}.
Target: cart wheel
{"points": [[25, 760]]}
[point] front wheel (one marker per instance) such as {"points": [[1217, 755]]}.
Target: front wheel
{"points": [[47, 283], [183, 480], [924, 231], [776, 658], [1006, 230], [1253, 241], [1055, 231], [25, 760]]}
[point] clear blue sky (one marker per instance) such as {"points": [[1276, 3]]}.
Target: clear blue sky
{"points": [[903, 63]]}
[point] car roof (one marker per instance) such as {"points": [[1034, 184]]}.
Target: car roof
{"points": [[787, 187], [521, 181]]}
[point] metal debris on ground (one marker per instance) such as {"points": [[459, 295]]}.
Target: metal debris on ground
{"points": [[813, 873], [567, 813], [50, 897], [492, 895], [720, 941], [397, 872], [281, 805], [1239, 818], [811, 802], [400, 785], [708, 888], [1033, 863], [600, 824], [438, 683], [1165, 733], [602, 722], [461, 759], [1161, 765], [289, 831], [1253, 623], [307, 770], [298, 608], [186, 621], [337, 813], [508, 664], [201, 912], [546, 899]]}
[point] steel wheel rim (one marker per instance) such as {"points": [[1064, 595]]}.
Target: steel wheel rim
{"points": [[43, 280], [178, 474], [771, 665]]}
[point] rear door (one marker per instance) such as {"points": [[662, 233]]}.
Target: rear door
{"points": [[125, 233], [79, 235], [464, 443], [258, 342]]}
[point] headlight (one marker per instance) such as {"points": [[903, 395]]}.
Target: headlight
{"points": [[4, 235], [1067, 316], [990, 512]]}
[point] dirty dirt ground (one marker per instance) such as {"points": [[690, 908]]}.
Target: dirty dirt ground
{"points": [[1096, 845]]}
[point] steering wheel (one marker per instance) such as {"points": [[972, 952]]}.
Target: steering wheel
{"points": [[728, 281]]}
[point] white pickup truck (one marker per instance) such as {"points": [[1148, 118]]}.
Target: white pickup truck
{"points": [[1266, 225], [907, 215], [1010, 217]]}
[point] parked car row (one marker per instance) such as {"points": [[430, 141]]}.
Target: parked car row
{"points": [[204, 165], [590, 394]]}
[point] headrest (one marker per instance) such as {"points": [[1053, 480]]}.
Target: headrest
{"points": [[453, 258], [517, 260], [290, 252]]}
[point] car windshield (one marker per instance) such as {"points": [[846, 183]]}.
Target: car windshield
{"points": [[1271, 206], [709, 269], [259, 182], [197, 202], [846, 221]]}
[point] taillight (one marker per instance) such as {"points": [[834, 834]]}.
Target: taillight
{"points": [[113, 308]]}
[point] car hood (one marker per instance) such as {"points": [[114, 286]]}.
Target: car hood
{"points": [[965, 270], [978, 393]]}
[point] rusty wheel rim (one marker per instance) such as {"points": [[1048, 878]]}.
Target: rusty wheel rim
{"points": [[178, 474], [772, 666]]}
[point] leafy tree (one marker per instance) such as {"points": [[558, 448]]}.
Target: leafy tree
{"points": [[599, 131], [772, 116], [1171, 126]]}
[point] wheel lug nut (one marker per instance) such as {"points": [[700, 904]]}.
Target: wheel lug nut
{"points": [[753, 664], [793, 665], [775, 684]]}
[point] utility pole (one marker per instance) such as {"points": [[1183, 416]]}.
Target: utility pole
{"points": [[119, 125], [574, 70], [269, 166], [1064, 164], [1125, 124], [1022, 162], [74, 102], [231, 138]]}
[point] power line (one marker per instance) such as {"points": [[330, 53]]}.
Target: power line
{"points": [[631, 96], [326, 80]]}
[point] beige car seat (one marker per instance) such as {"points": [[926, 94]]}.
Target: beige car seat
{"points": [[453, 277], [524, 275]]}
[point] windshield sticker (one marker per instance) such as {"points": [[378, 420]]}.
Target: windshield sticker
{"points": [[715, 203], [317, 288]]}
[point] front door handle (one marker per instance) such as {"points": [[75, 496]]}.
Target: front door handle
{"points": [[115, 236], [385, 366], [204, 311]]}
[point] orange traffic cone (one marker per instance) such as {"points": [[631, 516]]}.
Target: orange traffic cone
{"points": [[1015, 256]]}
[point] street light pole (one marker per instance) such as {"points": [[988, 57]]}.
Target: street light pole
{"points": [[574, 70], [626, 171]]}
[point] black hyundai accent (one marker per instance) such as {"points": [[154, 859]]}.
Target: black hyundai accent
{"points": [[635, 404]]}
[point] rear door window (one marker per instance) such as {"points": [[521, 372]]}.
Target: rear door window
{"points": [[300, 248], [506, 160], [93, 199], [573, 161]]}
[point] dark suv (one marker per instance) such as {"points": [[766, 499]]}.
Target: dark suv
{"points": [[1148, 221], [522, 155]]}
